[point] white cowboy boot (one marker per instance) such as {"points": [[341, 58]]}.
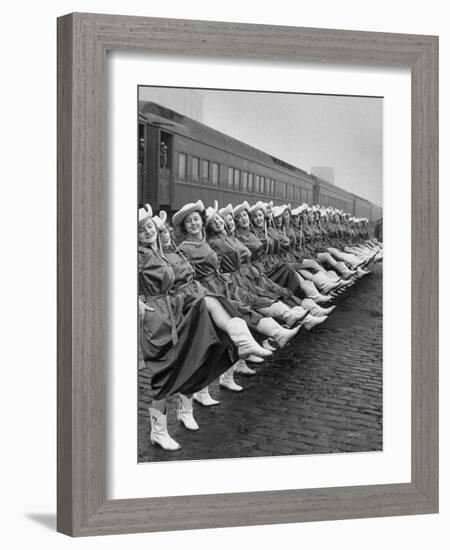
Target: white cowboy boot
{"points": [[362, 272], [289, 316], [267, 345], [271, 328], [312, 321], [204, 398], [333, 276], [311, 292], [159, 434], [324, 283], [247, 346], [241, 367], [227, 381], [185, 413], [315, 309]]}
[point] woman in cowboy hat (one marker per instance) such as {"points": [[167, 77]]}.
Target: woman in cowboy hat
{"points": [[192, 220], [312, 236], [280, 271], [317, 277], [234, 258], [223, 310], [171, 322], [250, 281]]}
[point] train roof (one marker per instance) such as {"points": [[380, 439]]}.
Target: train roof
{"points": [[182, 125]]}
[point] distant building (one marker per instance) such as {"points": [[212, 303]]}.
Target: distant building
{"points": [[189, 102], [323, 172]]}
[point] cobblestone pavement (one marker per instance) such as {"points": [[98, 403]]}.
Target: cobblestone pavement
{"points": [[321, 394]]}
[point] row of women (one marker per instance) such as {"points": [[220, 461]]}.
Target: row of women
{"points": [[220, 288]]}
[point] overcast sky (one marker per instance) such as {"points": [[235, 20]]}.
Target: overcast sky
{"points": [[342, 132]]}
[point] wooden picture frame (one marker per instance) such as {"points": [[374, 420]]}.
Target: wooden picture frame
{"points": [[83, 42]]}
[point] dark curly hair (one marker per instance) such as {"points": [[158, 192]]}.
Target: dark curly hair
{"points": [[203, 217]]}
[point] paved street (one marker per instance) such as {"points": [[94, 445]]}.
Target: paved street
{"points": [[322, 394]]}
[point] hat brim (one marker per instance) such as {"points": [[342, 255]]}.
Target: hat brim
{"points": [[240, 207], [187, 209], [258, 206], [227, 210]]}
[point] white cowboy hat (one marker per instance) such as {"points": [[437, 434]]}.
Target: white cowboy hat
{"points": [[145, 212], [278, 210], [227, 210], [187, 209], [160, 220], [258, 206], [243, 206], [211, 211]]}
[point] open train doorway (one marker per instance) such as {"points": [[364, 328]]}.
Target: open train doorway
{"points": [[165, 169]]}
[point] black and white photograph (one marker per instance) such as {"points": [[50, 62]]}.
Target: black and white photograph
{"points": [[260, 274]]}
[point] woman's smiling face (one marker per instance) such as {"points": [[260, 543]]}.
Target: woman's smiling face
{"points": [[193, 224], [258, 218], [229, 220], [164, 235], [278, 221], [217, 223], [147, 232], [242, 219]]}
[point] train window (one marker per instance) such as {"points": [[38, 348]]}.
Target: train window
{"points": [[230, 178], [250, 183], [182, 166], [257, 180], [244, 181], [237, 177], [279, 189], [205, 169], [215, 174], [195, 162]]}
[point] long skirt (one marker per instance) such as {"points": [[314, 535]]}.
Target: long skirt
{"points": [[181, 346], [258, 279], [220, 286], [281, 273], [245, 290]]}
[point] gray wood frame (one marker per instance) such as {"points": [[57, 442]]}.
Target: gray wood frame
{"points": [[83, 41]]}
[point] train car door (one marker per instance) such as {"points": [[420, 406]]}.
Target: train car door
{"points": [[150, 188], [165, 169], [154, 166], [142, 163]]}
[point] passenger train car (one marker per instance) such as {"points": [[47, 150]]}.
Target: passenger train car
{"points": [[181, 160]]}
